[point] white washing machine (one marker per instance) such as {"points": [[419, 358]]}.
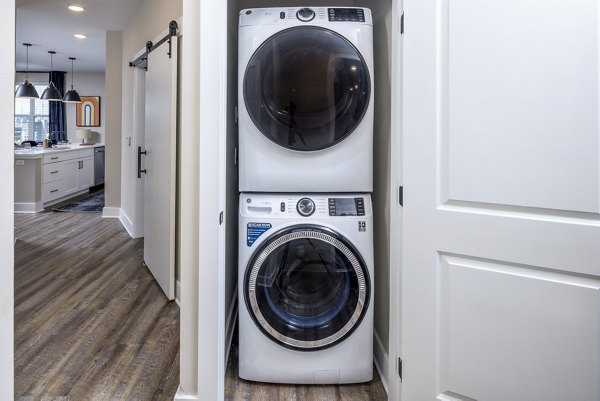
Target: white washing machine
{"points": [[306, 288], [305, 98]]}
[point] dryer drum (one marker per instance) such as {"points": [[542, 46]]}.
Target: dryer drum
{"points": [[307, 88], [307, 288]]}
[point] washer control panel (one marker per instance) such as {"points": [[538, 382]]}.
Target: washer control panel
{"points": [[309, 206], [346, 14], [346, 206]]}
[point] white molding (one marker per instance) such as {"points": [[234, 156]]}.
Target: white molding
{"points": [[381, 359], [394, 384], [29, 207], [125, 222], [178, 292], [111, 212], [181, 396]]}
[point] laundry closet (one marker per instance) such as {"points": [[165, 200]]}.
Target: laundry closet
{"points": [[382, 193]]}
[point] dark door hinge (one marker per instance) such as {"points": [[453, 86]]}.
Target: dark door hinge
{"points": [[401, 196], [402, 24], [400, 368]]}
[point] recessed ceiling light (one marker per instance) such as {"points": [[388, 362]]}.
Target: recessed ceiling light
{"points": [[77, 9], [80, 36]]}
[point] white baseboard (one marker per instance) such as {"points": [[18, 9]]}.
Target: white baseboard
{"points": [[178, 292], [126, 222], [181, 396], [29, 207], [230, 325], [111, 212], [381, 360]]}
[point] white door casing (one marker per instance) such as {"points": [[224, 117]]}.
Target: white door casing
{"points": [[139, 119], [501, 252], [160, 165]]}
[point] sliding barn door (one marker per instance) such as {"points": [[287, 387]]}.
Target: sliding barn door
{"points": [[160, 165], [501, 264]]}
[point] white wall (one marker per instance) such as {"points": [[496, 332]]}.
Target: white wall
{"points": [[149, 21], [114, 101], [86, 84], [7, 90]]}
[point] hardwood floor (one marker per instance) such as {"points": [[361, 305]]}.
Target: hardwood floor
{"points": [[237, 389], [90, 321]]}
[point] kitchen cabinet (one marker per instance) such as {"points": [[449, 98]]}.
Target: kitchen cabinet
{"points": [[67, 173]]}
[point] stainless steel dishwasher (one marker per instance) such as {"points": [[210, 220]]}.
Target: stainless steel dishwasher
{"points": [[99, 165]]}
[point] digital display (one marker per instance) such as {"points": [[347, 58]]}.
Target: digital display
{"points": [[346, 14], [345, 207]]}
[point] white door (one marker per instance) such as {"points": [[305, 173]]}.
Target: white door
{"points": [[159, 188], [501, 259]]}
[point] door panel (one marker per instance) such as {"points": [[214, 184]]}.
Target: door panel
{"points": [[86, 173], [500, 281], [527, 89], [159, 188]]}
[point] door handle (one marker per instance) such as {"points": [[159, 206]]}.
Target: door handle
{"points": [[140, 153]]}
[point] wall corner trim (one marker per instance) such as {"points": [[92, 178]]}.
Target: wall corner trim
{"points": [[381, 357], [111, 212], [181, 396]]}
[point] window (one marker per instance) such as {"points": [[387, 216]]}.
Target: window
{"points": [[32, 117]]}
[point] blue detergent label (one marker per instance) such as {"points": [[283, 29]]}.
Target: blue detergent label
{"points": [[255, 230]]}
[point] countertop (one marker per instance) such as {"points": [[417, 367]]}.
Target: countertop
{"points": [[39, 152]]}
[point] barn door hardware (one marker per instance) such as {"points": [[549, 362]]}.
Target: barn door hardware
{"points": [[142, 61]]}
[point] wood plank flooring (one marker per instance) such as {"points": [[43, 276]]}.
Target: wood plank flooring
{"points": [[237, 389], [90, 321]]}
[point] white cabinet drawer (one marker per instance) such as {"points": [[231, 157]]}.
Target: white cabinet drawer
{"points": [[52, 172], [52, 190], [67, 155]]}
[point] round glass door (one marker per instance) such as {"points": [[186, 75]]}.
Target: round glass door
{"points": [[307, 288], [307, 88]]}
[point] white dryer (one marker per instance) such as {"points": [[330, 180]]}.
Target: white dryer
{"points": [[305, 98], [306, 288]]}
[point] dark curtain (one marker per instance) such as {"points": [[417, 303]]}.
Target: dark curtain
{"points": [[57, 109]]}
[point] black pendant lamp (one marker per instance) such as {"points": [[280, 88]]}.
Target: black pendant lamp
{"points": [[72, 96], [51, 93], [26, 90]]}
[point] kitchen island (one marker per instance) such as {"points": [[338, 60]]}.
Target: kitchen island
{"points": [[44, 177]]}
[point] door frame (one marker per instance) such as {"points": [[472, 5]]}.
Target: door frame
{"points": [[396, 210], [7, 236]]}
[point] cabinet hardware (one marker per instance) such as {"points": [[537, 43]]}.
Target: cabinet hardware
{"points": [[53, 158], [54, 172], [54, 190], [401, 196]]}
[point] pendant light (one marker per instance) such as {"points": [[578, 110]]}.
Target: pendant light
{"points": [[26, 90], [51, 93], [72, 96]]}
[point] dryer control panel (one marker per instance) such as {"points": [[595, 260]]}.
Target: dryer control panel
{"points": [[346, 14]]}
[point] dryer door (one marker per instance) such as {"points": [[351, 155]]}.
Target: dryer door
{"points": [[307, 88], [307, 288]]}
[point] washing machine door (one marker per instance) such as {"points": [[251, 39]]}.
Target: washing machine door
{"points": [[307, 288], [307, 88]]}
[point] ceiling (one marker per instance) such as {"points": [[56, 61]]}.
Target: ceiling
{"points": [[50, 25]]}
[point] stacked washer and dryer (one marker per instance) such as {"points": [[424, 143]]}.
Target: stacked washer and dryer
{"points": [[306, 172]]}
